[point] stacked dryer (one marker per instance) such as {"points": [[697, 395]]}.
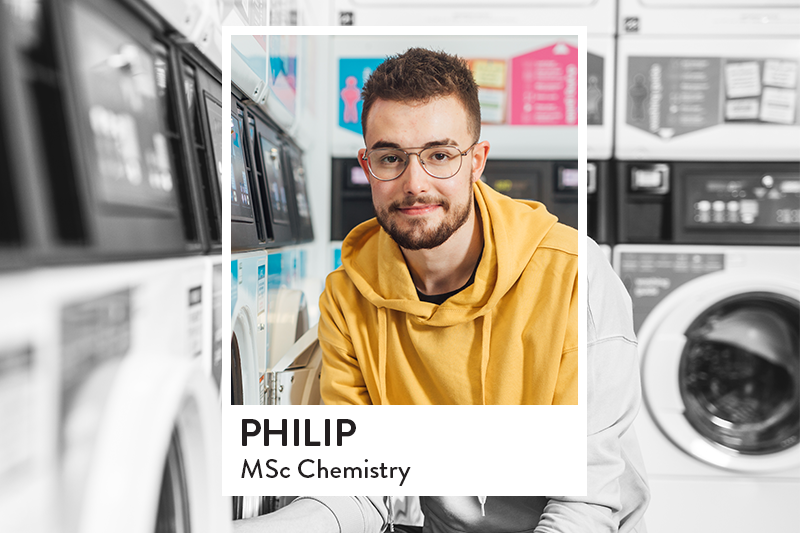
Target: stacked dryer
{"points": [[708, 196]]}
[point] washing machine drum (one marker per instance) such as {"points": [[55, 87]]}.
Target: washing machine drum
{"points": [[739, 374]]}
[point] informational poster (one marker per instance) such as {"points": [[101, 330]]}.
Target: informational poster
{"points": [[544, 87], [490, 75], [353, 73], [283, 70], [670, 96]]}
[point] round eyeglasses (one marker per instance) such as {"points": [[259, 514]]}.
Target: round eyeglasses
{"points": [[441, 162]]}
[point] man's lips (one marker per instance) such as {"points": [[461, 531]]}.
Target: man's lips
{"points": [[420, 209]]}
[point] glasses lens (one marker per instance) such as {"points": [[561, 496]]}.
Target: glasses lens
{"points": [[441, 161], [387, 163]]}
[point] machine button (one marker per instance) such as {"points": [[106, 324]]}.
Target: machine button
{"points": [[719, 211], [703, 214]]}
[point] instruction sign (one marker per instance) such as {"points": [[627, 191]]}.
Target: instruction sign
{"points": [[544, 87], [670, 96]]}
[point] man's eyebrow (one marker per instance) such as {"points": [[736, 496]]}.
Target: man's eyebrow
{"points": [[387, 144], [384, 144]]}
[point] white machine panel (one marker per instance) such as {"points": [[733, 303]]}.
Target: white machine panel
{"points": [[508, 142], [709, 17], [708, 100], [597, 15]]}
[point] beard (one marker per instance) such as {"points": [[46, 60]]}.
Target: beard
{"points": [[418, 236]]}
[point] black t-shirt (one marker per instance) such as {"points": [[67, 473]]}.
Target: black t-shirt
{"points": [[439, 299]]}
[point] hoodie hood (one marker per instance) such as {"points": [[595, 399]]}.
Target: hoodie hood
{"points": [[377, 268]]}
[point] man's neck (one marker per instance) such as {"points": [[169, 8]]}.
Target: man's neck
{"points": [[449, 266]]}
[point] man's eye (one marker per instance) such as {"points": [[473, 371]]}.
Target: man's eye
{"points": [[439, 157], [390, 159]]}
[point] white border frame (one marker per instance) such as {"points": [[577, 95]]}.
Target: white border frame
{"points": [[496, 449]]}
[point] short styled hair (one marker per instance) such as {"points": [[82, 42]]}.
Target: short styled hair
{"points": [[419, 76]]}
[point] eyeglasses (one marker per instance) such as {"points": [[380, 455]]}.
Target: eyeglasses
{"points": [[441, 162]]}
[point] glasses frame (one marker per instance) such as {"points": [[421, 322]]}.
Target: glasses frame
{"points": [[366, 155]]}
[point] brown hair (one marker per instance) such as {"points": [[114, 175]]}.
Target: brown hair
{"points": [[420, 75]]}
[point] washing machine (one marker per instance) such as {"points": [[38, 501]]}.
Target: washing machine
{"points": [[718, 340], [248, 326], [137, 431]]}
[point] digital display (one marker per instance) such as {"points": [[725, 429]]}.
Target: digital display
{"points": [[241, 201], [275, 182], [299, 174], [214, 114], [121, 81], [358, 176], [568, 178]]}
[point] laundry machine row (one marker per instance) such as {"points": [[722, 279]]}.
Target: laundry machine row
{"points": [[708, 244], [110, 270], [269, 311]]}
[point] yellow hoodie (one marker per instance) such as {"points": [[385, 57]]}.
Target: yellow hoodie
{"points": [[509, 338]]}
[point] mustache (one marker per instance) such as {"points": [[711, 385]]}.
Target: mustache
{"points": [[425, 199]]}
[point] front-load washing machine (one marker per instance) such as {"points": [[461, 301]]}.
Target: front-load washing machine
{"points": [[718, 339], [131, 417], [248, 325], [28, 480]]}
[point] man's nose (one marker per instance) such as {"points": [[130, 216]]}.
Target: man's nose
{"points": [[416, 180]]}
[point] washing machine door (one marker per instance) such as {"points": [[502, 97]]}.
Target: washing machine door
{"points": [[721, 371], [155, 463]]}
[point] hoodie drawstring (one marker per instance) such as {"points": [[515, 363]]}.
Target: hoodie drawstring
{"points": [[486, 337], [383, 333]]}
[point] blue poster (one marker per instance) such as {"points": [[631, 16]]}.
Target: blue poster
{"points": [[353, 73]]}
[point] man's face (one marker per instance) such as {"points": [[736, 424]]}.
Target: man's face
{"points": [[417, 210]]}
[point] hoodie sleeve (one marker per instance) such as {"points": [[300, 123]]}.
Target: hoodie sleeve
{"points": [[342, 382], [566, 391], [617, 489]]}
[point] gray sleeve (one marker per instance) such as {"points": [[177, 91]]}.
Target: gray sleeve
{"points": [[356, 514], [617, 489]]}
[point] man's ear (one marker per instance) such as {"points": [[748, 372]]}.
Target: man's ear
{"points": [[479, 154], [364, 166]]}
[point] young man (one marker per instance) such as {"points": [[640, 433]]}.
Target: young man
{"points": [[454, 294], [459, 295]]}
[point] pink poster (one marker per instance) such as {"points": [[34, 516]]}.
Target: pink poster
{"points": [[544, 87]]}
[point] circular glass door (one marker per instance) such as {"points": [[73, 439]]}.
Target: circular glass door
{"points": [[739, 373]]}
